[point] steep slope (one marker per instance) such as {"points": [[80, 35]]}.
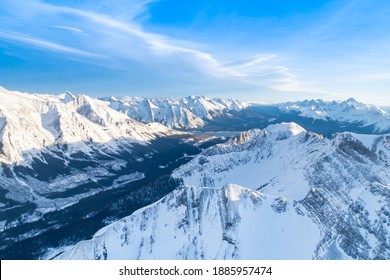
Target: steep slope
{"points": [[348, 111], [186, 113], [304, 197]]}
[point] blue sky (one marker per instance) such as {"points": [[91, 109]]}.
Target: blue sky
{"points": [[249, 49]]}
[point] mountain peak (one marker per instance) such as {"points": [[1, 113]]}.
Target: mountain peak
{"points": [[67, 96], [283, 128], [352, 100], [113, 99]]}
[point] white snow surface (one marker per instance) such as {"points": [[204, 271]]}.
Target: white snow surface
{"points": [[350, 111], [186, 112]]}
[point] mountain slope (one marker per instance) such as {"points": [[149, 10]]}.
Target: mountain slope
{"points": [[331, 194], [186, 112]]}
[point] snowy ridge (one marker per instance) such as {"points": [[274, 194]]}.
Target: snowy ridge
{"points": [[187, 112], [274, 161], [31, 122], [256, 137], [305, 196], [386, 109], [350, 111]]}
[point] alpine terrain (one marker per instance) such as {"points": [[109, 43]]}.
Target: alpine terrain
{"points": [[277, 193], [297, 180]]}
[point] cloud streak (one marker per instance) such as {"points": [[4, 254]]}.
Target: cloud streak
{"points": [[69, 28], [43, 44]]}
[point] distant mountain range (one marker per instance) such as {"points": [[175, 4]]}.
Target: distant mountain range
{"points": [[205, 114], [349, 111], [181, 113], [30, 122]]}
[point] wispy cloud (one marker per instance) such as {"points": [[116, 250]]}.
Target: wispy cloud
{"points": [[120, 40], [251, 61], [69, 28], [39, 43], [343, 48]]}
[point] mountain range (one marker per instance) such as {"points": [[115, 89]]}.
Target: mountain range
{"points": [[348, 111], [295, 180], [181, 113], [199, 113]]}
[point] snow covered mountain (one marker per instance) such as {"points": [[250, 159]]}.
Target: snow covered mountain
{"points": [[348, 111], [30, 122], [183, 113], [277, 193]]}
